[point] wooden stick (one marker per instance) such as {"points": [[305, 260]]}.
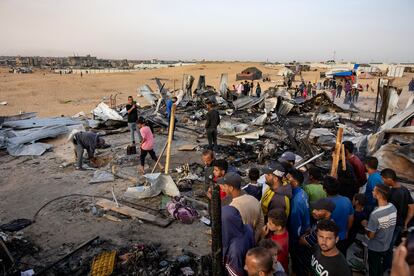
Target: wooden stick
{"points": [[170, 136], [335, 158], [159, 157], [343, 157]]}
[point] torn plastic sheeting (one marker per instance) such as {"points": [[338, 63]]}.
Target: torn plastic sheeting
{"points": [[23, 116], [253, 135], [270, 104], [223, 84], [101, 177], [317, 132], [327, 117], [104, 112], [37, 123], [260, 121], [36, 149], [146, 92], [247, 102], [231, 129], [38, 134], [285, 108], [158, 183]]}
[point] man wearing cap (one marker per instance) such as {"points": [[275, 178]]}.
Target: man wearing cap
{"points": [[299, 219], [212, 121], [248, 206], [287, 160], [275, 195]]}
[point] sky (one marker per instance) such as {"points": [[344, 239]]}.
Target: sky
{"points": [[263, 30]]}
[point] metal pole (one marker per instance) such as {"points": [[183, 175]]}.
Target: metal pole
{"points": [[216, 245]]}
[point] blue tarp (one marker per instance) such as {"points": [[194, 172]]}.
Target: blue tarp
{"points": [[343, 74], [356, 65]]}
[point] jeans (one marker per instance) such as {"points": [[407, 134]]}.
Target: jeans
{"points": [[376, 262], [133, 128], [212, 137]]}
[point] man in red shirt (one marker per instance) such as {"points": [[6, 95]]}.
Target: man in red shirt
{"points": [[356, 163]]}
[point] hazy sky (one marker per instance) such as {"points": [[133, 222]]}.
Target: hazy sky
{"points": [[278, 30]]}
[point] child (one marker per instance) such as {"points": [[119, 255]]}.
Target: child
{"points": [[253, 188], [147, 144], [359, 216], [274, 249], [275, 229]]}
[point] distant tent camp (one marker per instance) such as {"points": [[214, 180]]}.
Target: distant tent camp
{"points": [[251, 73]]}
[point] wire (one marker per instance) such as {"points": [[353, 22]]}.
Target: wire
{"points": [[93, 196]]}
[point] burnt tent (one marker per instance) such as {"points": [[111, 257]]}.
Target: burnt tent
{"points": [[251, 73]]}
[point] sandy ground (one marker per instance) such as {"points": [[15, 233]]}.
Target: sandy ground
{"points": [[54, 95]]}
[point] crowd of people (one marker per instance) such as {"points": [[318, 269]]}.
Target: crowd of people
{"points": [[285, 221]]}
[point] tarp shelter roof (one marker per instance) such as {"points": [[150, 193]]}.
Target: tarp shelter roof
{"points": [[343, 74], [251, 70]]}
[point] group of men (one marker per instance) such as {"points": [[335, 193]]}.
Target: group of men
{"points": [[314, 221]]}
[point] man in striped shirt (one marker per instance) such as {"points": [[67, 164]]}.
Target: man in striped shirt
{"points": [[380, 229]]}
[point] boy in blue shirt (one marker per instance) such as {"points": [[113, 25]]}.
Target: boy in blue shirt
{"points": [[343, 214], [374, 178], [299, 220]]}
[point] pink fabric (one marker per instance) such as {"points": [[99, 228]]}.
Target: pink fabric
{"points": [[147, 137]]}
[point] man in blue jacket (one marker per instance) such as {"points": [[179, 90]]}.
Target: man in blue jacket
{"points": [[374, 178], [299, 220]]}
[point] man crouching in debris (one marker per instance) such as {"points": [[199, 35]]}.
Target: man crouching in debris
{"points": [[88, 141], [213, 120]]}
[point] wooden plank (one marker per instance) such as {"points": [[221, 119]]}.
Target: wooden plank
{"points": [[337, 152], [133, 213]]}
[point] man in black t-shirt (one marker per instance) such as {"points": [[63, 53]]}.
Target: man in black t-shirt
{"points": [[401, 198], [327, 259], [212, 121], [131, 108]]}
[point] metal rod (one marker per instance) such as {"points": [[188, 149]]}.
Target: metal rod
{"points": [[308, 161], [113, 195], [159, 157], [216, 245]]}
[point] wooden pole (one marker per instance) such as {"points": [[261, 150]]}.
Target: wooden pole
{"points": [[170, 136], [159, 157], [376, 104], [335, 158], [343, 157]]}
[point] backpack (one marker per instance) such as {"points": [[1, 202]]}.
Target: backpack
{"points": [[180, 210]]}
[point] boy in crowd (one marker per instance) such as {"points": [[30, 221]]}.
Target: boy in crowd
{"points": [[299, 220], [147, 144], [380, 229], [259, 262], [314, 189], [356, 163], [248, 206], [275, 229], [322, 209], [360, 215], [274, 250], [327, 259], [374, 178], [253, 188], [343, 215], [401, 198]]}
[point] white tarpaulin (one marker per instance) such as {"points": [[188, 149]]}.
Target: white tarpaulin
{"points": [[104, 112], [158, 183]]}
